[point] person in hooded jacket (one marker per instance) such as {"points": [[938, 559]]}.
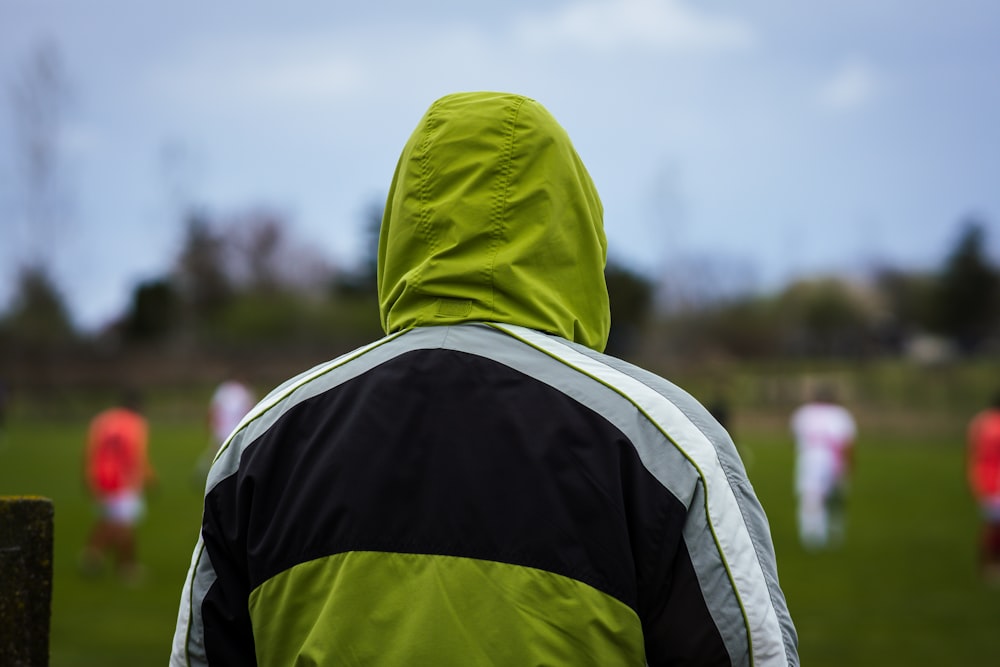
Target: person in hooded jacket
{"points": [[484, 486]]}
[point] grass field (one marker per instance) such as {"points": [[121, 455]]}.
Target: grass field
{"points": [[902, 591]]}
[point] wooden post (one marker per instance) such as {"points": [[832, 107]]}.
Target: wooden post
{"points": [[25, 580]]}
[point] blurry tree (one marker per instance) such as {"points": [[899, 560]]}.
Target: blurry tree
{"points": [[153, 313], [909, 306], [261, 257], [746, 328], [373, 229], [203, 284], [362, 280], [631, 297], [827, 317], [241, 280], [262, 237], [967, 304], [701, 282], [40, 98], [38, 320]]}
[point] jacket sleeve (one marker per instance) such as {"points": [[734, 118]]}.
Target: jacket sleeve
{"points": [[720, 577], [213, 622], [188, 647], [678, 626], [730, 589], [714, 599]]}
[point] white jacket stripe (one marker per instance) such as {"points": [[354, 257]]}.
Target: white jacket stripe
{"points": [[726, 519]]}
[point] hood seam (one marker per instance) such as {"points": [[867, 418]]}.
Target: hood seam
{"points": [[426, 229], [500, 204]]}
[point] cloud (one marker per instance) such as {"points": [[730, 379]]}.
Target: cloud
{"points": [[659, 25], [80, 138], [851, 87], [306, 79], [255, 73]]}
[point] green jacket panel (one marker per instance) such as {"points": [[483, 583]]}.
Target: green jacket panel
{"points": [[368, 596]]}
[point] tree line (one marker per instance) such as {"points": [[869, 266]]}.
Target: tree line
{"points": [[952, 311], [241, 281]]}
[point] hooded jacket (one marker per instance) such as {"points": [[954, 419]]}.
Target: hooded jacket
{"points": [[492, 217], [483, 486]]}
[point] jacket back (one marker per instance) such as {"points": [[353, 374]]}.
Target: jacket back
{"points": [[482, 494]]}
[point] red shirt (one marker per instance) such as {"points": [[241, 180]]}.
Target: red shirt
{"points": [[984, 454], [116, 452]]}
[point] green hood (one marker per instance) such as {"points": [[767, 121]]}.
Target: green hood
{"points": [[492, 217]]}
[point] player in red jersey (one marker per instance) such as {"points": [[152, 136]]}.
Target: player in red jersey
{"points": [[117, 470], [984, 481]]}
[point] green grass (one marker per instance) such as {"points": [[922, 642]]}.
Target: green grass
{"points": [[103, 621], [903, 590]]}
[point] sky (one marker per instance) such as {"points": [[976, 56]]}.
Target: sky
{"points": [[734, 145]]}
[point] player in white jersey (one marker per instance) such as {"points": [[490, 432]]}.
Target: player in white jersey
{"points": [[824, 434], [230, 402]]}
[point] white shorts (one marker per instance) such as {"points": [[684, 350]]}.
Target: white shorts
{"points": [[124, 507]]}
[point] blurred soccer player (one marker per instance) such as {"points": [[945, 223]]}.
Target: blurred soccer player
{"points": [[984, 481], [824, 434], [117, 470], [230, 402]]}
